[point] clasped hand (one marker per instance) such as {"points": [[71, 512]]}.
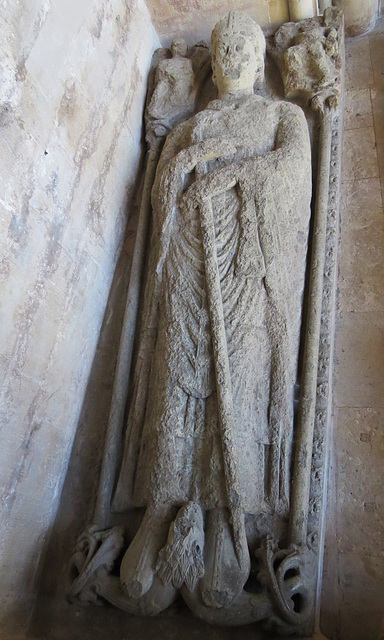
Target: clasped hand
{"points": [[209, 185]]}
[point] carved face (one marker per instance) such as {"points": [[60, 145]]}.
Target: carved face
{"points": [[179, 48], [237, 62]]}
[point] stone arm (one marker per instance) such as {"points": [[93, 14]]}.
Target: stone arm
{"points": [[290, 154], [281, 170], [170, 183], [275, 187]]}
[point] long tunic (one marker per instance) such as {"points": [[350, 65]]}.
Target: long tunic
{"points": [[173, 452]]}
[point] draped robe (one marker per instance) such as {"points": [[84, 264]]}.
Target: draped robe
{"points": [[173, 449]]}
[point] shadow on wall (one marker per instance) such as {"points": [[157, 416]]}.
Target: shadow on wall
{"points": [[77, 502], [16, 611]]}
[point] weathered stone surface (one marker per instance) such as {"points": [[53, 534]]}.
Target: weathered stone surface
{"points": [[353, 562], [195, 21], [360, 503], [361, 200], [309, 57], [353, 568], [360, 362], [358, 109], [359, 153], [361, 260], [358, 65], [185, 387], [352, 608], [42, 130], [377, 98], [219, 346], [71, 109]]}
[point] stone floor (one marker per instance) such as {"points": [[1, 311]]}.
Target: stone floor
{"points": [[353, 586]]}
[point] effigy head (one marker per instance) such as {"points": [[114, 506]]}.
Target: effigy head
{"points": [[238, 49], [179, 48]]}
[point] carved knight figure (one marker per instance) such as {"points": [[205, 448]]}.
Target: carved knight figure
{"points": [[210, 426]]}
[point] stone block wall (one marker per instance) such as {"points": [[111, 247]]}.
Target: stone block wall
{"points": [[73, 82]]}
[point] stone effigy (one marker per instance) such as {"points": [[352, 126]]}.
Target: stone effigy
{"points": [[208, 450], [229, 250]]}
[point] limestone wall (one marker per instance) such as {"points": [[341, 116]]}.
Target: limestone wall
{"points": [[73, 84], [195, 20]]}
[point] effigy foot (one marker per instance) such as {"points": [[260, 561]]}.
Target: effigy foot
{"points": [[138, 566], [181, 561], [225, 573]]}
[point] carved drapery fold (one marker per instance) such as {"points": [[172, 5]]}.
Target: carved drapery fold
{"points": [[226, 428]]}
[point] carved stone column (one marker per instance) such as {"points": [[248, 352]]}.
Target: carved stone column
{"points": [[360, 15], [323, 4], [278, 12], [302, 9]]}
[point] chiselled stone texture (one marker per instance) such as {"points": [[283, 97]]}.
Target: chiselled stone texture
{"points": [[205, 448], [211, 416], [72, 90]]}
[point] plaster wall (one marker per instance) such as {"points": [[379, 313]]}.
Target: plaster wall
{"points": [[73, 83], [195, 19]]}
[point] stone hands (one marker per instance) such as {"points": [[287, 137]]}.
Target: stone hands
{"points": [[217, 181], [209, 185], [187, 159]]}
